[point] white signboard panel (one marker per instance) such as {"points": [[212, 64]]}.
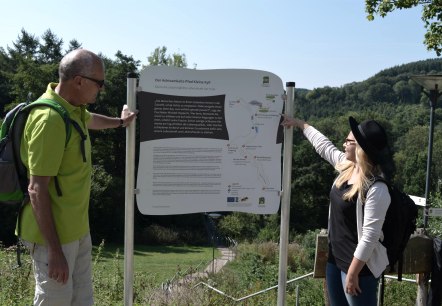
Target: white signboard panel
{"points": [[418, 200], [210, 140], [435, 212]]}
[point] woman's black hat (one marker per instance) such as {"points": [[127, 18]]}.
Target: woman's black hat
{"points": [[371, 136]]}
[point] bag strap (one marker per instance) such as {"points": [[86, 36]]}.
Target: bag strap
{"points": [[68, 121], [66, 118], [376, 179], [58, 108], [19, 212], [401, 258], [83, 138], [21, 119]]}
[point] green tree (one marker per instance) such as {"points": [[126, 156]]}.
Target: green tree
{"points": [[241, 226], [31, 77], [403, 91], [26, 46], [159, 57], [380, 92], [5, 80], [73, 45], [29, 65], [50, 51], [108, 153], [431, 16]]}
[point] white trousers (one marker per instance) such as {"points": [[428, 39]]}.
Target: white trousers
{"points": [[78, 290]]}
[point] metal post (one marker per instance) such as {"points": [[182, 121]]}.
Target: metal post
{"points": [[129, 194], [423, 278], [379, 293], [285, 201], [433, 96], [213, 255]]}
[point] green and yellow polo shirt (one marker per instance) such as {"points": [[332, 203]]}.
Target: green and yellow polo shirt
{"points": [[44, 153]]}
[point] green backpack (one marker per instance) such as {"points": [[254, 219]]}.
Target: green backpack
{"points": [[13, 173]]}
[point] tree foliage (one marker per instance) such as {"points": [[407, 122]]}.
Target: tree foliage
{"points": [[431, 16], [29, 64], [389, 97], [159, 57]]}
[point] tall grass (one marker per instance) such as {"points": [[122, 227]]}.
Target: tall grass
{"points": [[16, 283], [152, 265], [254, 269]]}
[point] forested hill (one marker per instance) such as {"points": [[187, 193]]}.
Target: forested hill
{"points": [[390, 97], [391, 86]]}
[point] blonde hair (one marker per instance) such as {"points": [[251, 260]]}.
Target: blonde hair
{"points": [[368, 170]]}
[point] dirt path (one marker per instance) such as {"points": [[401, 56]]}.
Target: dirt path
{"points": [[178, 290], [214, 266]]}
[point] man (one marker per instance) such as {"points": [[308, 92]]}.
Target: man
{"points": [[55, 226]]}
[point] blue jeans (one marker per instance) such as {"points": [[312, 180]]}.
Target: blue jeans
{"points": [[335, 279]]}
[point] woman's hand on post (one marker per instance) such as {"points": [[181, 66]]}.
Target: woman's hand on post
{"points": [[295, 122]]}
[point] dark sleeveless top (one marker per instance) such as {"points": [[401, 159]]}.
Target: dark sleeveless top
{"points": [[343, 235]]}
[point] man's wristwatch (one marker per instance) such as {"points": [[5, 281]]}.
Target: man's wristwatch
{"points": [[121, 122]]}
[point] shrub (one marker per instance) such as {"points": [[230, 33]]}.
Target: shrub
{"points": [[157, 234], [298, 258]]}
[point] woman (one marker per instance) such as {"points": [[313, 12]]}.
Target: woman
{"points": [[357, 210]]}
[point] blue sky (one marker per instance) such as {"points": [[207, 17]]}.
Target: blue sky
{"points": [[313, 43]]}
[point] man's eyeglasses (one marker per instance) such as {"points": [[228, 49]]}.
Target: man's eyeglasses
{"points": [[349, 142], [100, 83]]}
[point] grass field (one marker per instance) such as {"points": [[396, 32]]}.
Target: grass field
{"points": [[162, 262], [153, 265], [255, 268]]}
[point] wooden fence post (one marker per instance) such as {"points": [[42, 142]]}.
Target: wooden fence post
{"points": [[422, 288]]}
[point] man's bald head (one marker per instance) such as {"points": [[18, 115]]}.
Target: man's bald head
{"points": [[78, 62]]}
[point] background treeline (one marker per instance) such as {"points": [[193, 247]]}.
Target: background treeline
{"points": [[390, 97]]}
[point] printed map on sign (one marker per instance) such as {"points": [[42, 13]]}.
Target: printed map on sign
{"points": [[210, 140]]}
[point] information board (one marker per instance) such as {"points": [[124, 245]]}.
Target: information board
{"points": [[210, 140]]}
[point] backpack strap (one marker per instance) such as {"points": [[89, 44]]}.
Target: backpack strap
{"points": [[58, 108], [378, 179], [20, 209], [374, 180], [15, 134], [400, 261], [15, 131], [21, 120], [67, 120], [83, 138]]}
